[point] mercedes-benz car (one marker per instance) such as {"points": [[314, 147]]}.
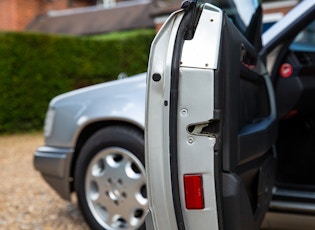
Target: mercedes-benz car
{"points": [[94, 137]]}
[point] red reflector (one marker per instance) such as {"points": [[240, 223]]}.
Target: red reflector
{"points": [[286, 70], [193, 191]]}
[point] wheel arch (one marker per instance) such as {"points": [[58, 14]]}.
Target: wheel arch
{"points": [[88, 131]]}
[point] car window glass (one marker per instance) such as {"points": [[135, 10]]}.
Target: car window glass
{"points": [[305, 40], [245, 14], [246, 11]]}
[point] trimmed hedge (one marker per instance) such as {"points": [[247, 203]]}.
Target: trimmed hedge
{"points": [[36, 67]]}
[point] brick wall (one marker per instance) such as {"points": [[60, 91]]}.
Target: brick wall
{"points": [[17, 14], [7, 9]]}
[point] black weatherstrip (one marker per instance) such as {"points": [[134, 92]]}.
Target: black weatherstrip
{"points": [[185, 31]]}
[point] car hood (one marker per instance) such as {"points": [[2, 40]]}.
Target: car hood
{"points": [[114, 89]]}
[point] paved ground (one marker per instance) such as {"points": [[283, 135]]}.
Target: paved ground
{"points": [[26, 201]]}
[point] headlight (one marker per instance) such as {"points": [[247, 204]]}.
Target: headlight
{"points": [[49, 122]]}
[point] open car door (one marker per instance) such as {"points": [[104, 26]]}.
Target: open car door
{"points": [[210, 120]]}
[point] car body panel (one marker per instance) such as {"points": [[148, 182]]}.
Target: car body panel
{"points": [[190, 144], [117, 100], [165, 51], [53, 161], [199, 122], [120, 101], [54, 165]]}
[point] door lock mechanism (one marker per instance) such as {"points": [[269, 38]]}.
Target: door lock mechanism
{"points": [[209, 128]]}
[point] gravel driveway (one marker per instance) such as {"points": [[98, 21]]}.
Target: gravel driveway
{"points": [[26, 201]]}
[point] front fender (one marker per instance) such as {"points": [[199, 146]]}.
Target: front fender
{"points": [[122, 100]]}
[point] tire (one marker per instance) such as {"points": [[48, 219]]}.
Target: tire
{"points": [[110, 179]]}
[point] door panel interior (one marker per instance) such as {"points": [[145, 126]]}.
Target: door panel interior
{"points": [[248, 133]]}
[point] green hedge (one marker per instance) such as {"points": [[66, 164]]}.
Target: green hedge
{"points": [[36, 67]]}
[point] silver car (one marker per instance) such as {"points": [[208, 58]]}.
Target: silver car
{"points": [[94, 137], [94, 145]]}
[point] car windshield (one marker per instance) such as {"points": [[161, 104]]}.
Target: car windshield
{"points": [[245, 14], [305, 40]]}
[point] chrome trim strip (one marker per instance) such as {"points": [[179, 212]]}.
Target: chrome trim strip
{"points": [[292, 206], [294, 193]]}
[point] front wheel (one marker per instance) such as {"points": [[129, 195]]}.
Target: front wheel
{"points": [[110, 179]]}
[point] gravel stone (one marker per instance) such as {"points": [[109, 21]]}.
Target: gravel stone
{"points": [[26, 201]]}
